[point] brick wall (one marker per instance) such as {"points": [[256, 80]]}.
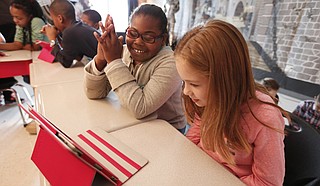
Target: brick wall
{"points": [[297, 36]]}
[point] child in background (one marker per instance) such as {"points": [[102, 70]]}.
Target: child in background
{"points": [[233, 119], [272, 86], [143, 72], [309, 110], [71, 39], [91, 18], [28, 17]]}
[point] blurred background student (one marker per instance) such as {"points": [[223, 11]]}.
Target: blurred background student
{"points": [[272, 86], [71, 39], [309, 110], [29, 19], [91, 18]]}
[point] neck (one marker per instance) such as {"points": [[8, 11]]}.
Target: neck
{"points": [[136, 63], [70, 23]]}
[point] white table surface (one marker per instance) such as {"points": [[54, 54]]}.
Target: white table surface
{"points": [[54, 73], [173, 159], [17, 55], [67, 106], [45, 73]]}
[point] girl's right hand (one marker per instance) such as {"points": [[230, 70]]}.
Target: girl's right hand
{"points": [[101, 63], [109, 41]]}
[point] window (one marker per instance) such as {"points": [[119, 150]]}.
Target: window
{"points": [[118, 9]]}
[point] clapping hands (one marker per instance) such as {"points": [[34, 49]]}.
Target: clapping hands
{"points": [[109, 44]]}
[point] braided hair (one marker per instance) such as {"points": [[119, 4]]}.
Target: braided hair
{"points": [[30, 7]]}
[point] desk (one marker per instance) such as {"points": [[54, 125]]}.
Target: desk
{"points": [[173, 159], [15, 64], [67, 106], [44, 73]]}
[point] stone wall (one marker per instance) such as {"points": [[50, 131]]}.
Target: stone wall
{"points": [[297, 36], [284, 37]]}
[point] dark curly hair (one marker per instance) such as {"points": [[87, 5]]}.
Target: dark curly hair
{"points": [[31, 7]]}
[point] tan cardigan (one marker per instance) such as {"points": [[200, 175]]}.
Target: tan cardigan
{"points": [[154, 87]]}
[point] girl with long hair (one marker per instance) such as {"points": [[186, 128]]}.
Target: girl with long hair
{"points": [[233, 118]]}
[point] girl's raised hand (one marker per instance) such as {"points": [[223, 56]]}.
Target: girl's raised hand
{"points": [[110, 43]]}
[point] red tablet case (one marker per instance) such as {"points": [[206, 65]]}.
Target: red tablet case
{"points": [[45, 53], [65, 161]]}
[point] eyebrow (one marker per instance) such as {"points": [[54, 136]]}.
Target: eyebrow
{"points": [[147, 32], [191, 81]]}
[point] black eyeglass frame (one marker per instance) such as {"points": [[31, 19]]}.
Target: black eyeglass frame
{"points": [[142, 36]]}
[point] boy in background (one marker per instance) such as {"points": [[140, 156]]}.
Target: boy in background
{"points": [[70, 39], [272, 86], [91, 18]]}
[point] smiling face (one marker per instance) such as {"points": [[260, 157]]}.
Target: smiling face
{"points": [[20, 17], [141, 51], [195, 83]]}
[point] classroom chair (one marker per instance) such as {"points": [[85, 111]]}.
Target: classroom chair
{"points": [[302, 154], [9, 87]]}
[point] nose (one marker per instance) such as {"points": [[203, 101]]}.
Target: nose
{"points": [[139, 41], [186, 90], [15, 20]]}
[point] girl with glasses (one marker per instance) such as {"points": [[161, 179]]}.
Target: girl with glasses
{"points": [[142, 73]]}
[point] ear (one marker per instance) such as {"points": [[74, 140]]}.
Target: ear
{"points": [[96, 26], [165, 40], [61, 18]]}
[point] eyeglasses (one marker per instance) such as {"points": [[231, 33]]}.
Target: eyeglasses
{"points": [[134, 34]]}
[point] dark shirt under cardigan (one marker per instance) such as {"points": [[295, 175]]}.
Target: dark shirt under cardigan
{"points": [[77, 41]]}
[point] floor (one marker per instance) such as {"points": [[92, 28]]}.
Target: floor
{"points": [[16, 144]]}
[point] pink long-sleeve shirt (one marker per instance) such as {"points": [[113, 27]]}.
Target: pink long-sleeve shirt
{"points": [[265, 164]]}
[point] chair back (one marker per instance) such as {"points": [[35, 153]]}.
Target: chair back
{"points": [[302, 154]]}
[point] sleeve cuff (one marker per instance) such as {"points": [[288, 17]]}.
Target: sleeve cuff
{"points": [[95, 71]]}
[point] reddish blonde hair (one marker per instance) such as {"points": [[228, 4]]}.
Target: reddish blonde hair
{"points": [[218, 50]]}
